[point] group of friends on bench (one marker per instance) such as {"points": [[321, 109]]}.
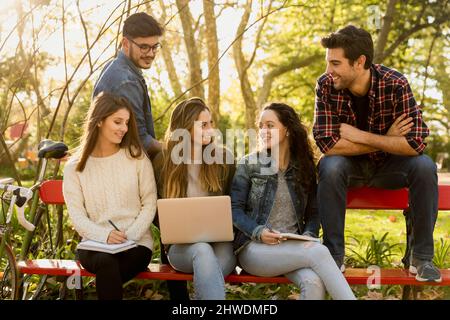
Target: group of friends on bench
{"points": [[367, 125]]}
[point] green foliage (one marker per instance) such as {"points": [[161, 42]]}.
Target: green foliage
{"points": [[160, 101], [377, 252], [10, 74], [77, 117], [442, 254]]}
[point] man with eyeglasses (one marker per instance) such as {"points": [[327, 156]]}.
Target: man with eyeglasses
{"points": [[123, 75]]}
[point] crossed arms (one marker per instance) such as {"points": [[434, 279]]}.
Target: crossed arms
{"points": [[354, 141], [404, 136]]}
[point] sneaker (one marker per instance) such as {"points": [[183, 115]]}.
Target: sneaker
{"points": [[425, 271], [340, 264]]}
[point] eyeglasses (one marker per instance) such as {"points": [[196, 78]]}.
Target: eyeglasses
{"points": [[145, 48]]}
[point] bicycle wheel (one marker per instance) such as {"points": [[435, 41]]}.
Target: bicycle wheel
{"points": [[8, 275], [47, 243]]}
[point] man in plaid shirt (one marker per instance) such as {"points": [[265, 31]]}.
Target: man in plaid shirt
{"points": [[371, 132]]}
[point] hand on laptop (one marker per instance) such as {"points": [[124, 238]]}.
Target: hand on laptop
{"points": [[116, 237]]}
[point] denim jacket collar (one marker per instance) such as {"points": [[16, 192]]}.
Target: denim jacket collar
{"points": [[124, 59], [266, 160]]}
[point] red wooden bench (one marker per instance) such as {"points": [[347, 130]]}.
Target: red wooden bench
{"points": [[166, 272], [358, 198]]}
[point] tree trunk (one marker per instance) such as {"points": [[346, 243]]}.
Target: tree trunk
{"points": [[166, 54], [386, 28], [192, 48], [241, 66], [213, 57]]}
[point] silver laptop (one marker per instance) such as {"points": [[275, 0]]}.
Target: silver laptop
{"points": [[196, 219]]}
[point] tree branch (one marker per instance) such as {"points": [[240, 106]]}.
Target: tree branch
{"points": [[86, 36], [269, 77], [405, 35], [258, 38]]}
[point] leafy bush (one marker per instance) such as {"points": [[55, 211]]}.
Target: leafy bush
{"points": [[377, 252], [442, 254]]}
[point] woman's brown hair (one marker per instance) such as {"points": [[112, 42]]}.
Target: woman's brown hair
{"points": [[104, 105], [299, 145], [211, 176]]}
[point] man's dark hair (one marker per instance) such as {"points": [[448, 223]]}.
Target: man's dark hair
{"points": [[141, 25], [355, 42]]}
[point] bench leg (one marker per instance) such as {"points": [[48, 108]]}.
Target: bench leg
{"points": [[79, 293], [406, 260], [409, 291], [177, 289], [62, 290]]}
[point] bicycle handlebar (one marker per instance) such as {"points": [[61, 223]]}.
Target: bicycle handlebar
{"points": [[20, 196]]}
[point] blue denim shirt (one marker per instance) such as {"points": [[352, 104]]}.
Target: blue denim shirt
{"points": [[252, 196], [123, 78]]}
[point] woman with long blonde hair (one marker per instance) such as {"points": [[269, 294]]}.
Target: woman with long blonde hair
{"points": [[197, 169], [109, 184]]}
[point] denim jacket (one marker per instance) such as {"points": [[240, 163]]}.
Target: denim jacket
{"points": [[121, 77], [252, 196]]}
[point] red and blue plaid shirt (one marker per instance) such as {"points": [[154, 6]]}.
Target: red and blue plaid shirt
{"points": [[389, 97]]}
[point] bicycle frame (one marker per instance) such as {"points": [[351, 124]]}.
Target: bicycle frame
{"points": [[19, 198], [33, 209], [5, 234]]}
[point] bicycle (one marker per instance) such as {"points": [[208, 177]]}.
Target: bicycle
{"points": [[8, 269], [11, 282]]}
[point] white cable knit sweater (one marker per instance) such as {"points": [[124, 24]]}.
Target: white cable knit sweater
{"points": [[117, 187]]}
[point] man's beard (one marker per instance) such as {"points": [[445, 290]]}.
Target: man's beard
{"points": [[136, 61], [343, 83]]}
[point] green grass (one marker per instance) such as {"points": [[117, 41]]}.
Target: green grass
{"points": [[365, 224], [362, 224]]}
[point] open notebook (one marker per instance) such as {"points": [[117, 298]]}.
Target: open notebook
{"points": [[104, 247], [294, 236]]}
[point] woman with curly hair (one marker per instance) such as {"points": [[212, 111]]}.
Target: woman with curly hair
{"points": [[274, 192]]}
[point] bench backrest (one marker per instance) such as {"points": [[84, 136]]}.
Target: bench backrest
{"points": [[357, 198], [50, 192]]}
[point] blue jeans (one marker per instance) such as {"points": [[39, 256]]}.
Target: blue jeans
{"points": [[308, 265], [209, 262], [418, 173]]}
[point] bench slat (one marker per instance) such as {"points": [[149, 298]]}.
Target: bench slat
{"points": [[444, 197], [50, 192], [374, 198], [166, 272], [357, 198]]}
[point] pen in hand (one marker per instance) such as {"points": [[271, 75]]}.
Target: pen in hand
{"points": [[113, 225], [116, 236]]}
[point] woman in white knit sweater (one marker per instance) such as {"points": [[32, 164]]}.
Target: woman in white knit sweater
{"points": [[111, 178]]}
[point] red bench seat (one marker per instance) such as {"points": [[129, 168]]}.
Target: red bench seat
{"points": [[166, 272], [357, 198]]}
